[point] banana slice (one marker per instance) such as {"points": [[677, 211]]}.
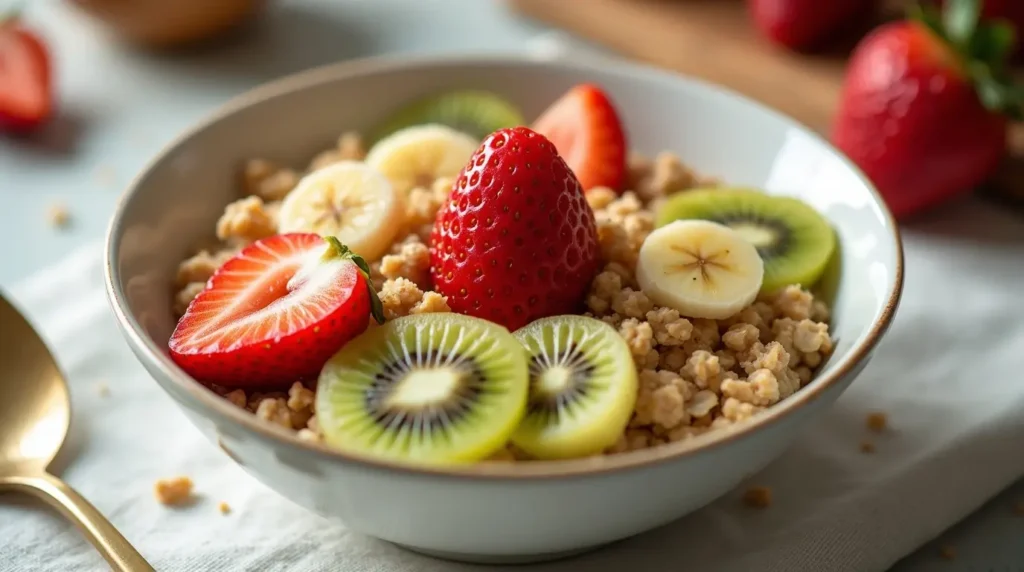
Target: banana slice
{"points": [[415, 156], [348, 200], [700, 268]]}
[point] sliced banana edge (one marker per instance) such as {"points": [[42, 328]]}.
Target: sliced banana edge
{"points": [[416, 156], [700, 268], [349, 200]]}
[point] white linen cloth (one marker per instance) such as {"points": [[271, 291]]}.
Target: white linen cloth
{"points": [[948, 375]]}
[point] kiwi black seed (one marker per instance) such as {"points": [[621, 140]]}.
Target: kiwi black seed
{"points": [[434, 389], [476, 113], [583, 387], [793, 239]]}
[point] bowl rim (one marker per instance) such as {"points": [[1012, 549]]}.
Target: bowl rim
{"points": [[200, 398]]}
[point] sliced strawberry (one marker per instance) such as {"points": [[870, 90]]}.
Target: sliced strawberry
{"points": [[587, 132], [26, 98], [275, 313]]}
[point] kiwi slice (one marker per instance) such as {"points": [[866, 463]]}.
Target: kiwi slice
{"points": [[436, 389], [794, 241], [476, 113], [583, 387]]}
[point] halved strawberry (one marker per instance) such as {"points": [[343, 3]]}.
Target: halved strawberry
{"points": [[275, 313], [587, 132], [26, 98]]}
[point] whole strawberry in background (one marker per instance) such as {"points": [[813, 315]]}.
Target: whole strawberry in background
{"points": [[516, 239], [26, 92], [925, 105], [805, 24]]}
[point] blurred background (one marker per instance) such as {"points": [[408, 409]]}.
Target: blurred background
{"points": [[128, 77]]}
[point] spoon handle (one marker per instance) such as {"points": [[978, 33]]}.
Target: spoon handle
{"points": [[119, 553]]}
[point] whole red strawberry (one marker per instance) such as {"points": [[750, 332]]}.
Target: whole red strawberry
{"points": [[924, 105], [26, 93], [275, 313], [803, 24], [516, 240]]}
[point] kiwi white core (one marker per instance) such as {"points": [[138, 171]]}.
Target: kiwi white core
{"points": [[758, 235], [425, 387], [554, 380]]}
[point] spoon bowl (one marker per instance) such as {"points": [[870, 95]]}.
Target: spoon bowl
{"points": [[34, 418], [36, 410]]}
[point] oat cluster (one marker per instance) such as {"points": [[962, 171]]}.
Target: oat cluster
{"points": [[176, 491], [695, 375]]}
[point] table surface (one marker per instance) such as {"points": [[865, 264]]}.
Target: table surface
{"points": [[119, 106]]}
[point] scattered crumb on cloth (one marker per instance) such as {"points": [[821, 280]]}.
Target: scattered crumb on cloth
{"points": [[58, 215], [176, 491], [758, 497], [223, 507], [867, 447], [102, 389], [877, 421], [947, 552]]}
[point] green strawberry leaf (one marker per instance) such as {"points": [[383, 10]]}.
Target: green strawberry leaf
{"points": [[983, 47], [994, 42], [930, 16], [960, 19], [336, 249]]}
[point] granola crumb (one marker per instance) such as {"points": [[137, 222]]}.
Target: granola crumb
{"points": [[237, 397], [248, 220], [102, 389], [223, 507], [58, 215], [867, 447], [275, 410], [173, 492], [758, 497], [947, 552], [877, 421]]}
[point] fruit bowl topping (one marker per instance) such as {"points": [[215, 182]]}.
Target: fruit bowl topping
{"points": [[585, 128], [516, 239], [794, 241], [699, 268], [275, 312], [582, 387], [430, 388]]}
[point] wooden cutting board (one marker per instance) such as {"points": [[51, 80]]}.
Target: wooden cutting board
{"points": [[714, 40]]}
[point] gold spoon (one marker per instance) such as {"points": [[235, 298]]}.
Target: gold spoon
{"points": [[34, 416]]}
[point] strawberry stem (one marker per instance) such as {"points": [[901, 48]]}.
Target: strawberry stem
{"points": [[335, 250], [984, 47]]}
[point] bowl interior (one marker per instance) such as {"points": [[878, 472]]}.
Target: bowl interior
{"points": [[173, 206]]}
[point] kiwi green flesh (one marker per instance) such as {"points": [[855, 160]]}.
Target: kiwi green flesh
{"points": [[431, 388], [476, 113], [582, 387], [794, 240]]}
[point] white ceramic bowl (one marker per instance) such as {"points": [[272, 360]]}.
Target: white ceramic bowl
{"points": [[499, 511]]}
